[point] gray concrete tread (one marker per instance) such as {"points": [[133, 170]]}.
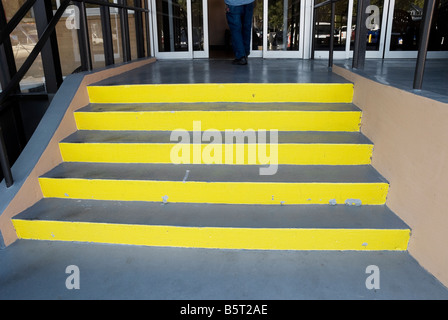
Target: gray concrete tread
{"points": [[217, 173], [219, 106], [284, 137], [36, 270], [214, 215]]}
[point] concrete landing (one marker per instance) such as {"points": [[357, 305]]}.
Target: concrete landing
{"points": [[222, 71], [399, 73], [36, 270]]}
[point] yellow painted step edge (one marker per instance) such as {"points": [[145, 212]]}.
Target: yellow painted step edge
{"points": [[214, 192], [211, 237], [228, 92], [220, 120], [300, 154]]}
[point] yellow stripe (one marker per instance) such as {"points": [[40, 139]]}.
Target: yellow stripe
{"points": [[300, 154], [256, 120], [211, 237], [229, 92], [215, 192]]}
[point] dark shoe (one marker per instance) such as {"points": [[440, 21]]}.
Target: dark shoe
{"points": [[241, 61]]}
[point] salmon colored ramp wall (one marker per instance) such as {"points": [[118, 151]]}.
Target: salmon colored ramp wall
{"points": [[410, 135], [30, 192]]}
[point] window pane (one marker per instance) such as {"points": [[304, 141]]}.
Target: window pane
{"points": [[172, 25], [283, 25], [68, 45], [198, 25], [323, 26], [95, 36], [132, 34], [23, 40], [257, 31]]}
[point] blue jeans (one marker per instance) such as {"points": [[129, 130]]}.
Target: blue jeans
{"points": [[239, 19]]}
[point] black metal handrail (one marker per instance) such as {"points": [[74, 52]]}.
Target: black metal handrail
{"points": [[4, 161], [48, 31]]}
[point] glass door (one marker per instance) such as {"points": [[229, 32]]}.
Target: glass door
{"points": [[376, 27], [180, 29], [345, 28], [282, 34], [405, 23]]}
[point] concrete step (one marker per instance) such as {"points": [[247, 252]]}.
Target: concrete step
{"points": [[196, 183], [272, 227], [223, 92], [220, 116], [313, 148]]}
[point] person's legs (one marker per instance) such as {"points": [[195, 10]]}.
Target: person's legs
{"points": [[247, 26], [234, 20]]}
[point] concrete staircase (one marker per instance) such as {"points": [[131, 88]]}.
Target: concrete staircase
{"points": [[118, 183]]}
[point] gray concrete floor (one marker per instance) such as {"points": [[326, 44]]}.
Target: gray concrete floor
{"points": [[222, 71], [399, 73], [36, 270]]}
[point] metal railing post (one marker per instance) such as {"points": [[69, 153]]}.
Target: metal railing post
{"points": [[7, 61], [4, 162], [359, 52], [50, 52], [125, 38], [331, 51], [83, 38], [107, 36], [147, 29], [139, 30], [428, 11]]}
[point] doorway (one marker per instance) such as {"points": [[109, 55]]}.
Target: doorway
{"points": [[283, 20], [187, 29], [219, 33]]}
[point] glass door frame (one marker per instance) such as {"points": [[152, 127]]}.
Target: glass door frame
{"points": [[191, 53]]}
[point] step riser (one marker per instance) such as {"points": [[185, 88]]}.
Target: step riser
{"points": [[222, 238], [221, 121], [215, 192], [294, 154], [230, 92]]}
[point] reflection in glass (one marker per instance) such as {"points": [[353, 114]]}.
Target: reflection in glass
{"points": [[407, 21], [95, 36], [406, 24], [115, 24], [373, 34], [23, 40], [283, 25], [132, 34], [257, 29], [172, 25], [68, 44], [198, 25], [323, 26]]}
